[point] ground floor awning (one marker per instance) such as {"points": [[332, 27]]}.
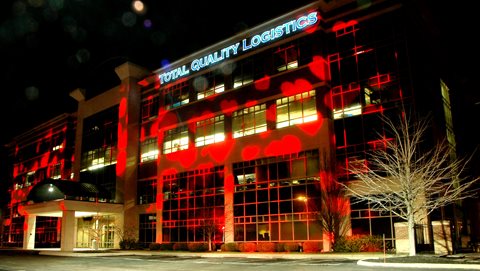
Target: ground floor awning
{"points": [[68, 211]]}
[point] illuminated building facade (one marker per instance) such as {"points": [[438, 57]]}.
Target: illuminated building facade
{"points": [[241, 135]]}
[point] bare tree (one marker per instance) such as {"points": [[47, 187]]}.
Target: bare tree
{"points": [[409, 182], [335, 205], [208, 228]]}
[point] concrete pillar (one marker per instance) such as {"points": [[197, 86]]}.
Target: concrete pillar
{"points": [[29, 232], [119, 229], [402, 244], [229, 230], [67, 242], [442, 237]]}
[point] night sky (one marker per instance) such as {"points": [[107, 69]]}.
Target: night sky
{"points": [[50, 47]]}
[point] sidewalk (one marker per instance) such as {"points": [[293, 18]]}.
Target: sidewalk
{"points": [[471, 261]]}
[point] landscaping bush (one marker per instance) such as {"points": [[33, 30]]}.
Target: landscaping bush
{"points": [[166, 246], [291, 247], [358, 243], [180, 247], [197, 247], [229, 247], [312, 246], [154, 246], [280, 247], [129, 244], [247, 247], [266, 247]]}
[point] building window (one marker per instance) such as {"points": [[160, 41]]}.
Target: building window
{"points": [[177, 95], [249, 121], [210, 131], [212, 84], [175, 140], [243, 73], [286, 58], [296, 109], [147, 228], [193, 202], [56, 171], [267, 205], [146, 191], [150, 107], [98, 158], [58, 142], [149, 150], [346, 101]]}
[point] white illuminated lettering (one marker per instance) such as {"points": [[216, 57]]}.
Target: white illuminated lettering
{"points": [[302, 22], [265, 37], [247, 44]]}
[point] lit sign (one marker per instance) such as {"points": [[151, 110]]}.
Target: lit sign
{"points": [[243, 46]]}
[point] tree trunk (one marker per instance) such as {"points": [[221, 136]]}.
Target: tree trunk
{"points": [[411, 236]]}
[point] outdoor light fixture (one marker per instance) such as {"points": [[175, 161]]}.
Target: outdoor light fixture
{"points": [[302, 198]]}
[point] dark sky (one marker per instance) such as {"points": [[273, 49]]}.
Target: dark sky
{"points": [[51, 47]]}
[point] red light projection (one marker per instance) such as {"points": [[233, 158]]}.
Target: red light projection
{"points": [[312, 128], [122, 137], [263, 83], [343, 27], [186, 158], [299, 86], [218, 151], [250, 152], [320, 68], [288, 144], [228, 106]]}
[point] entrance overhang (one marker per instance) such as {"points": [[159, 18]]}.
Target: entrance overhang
{"points": [[82, 208], [68, 211]]}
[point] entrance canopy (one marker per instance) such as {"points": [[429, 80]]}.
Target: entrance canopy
{"points": [[55, 189], [81, 208]]}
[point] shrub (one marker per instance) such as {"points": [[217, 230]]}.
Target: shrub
{"points": [[247, 247], [197, 247], [129, 244], [312, 246], [358, 243], [229, 247], [180, 247], [290, 247], [371, 243], [266, 247], [154, 246], [166, 246], [280, 247]]}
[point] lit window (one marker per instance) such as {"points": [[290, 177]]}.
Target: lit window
{"points": [[296, 109], [210, 131], [177, 95], [346, 101], [55, 171], [175, 140], [149, 150], [98, 158], [286, 59], [249, 121], [243, 74], [209, 86]]}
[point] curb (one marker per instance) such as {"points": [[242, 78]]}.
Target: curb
{"points": [[420, 265]]}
